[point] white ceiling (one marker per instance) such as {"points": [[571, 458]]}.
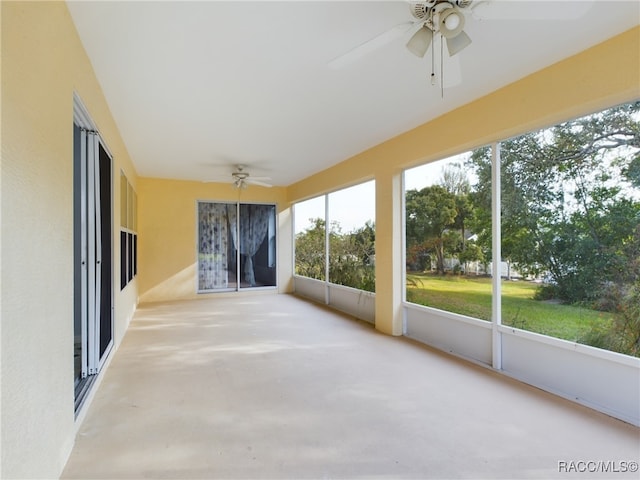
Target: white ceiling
{"points": [[196, 87]]}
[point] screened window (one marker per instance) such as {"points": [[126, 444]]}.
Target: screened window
{"points": [[352, 235], [128, 231], [345, 252], [310, 238], [448, 237], [569, 231]]}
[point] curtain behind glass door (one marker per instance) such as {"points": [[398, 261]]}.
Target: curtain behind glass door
{"points": [[257, 245], [216, 257]]}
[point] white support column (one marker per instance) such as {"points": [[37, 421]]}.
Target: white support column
{"points": [[496, 270], [403, 244], [327, 236]]}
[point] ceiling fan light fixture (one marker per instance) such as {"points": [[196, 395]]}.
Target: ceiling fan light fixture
{"points": [[450, 22], [458, 43], [419, 43]]}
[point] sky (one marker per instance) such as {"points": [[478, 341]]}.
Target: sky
{"points": [[431, 173], [353, 206]]}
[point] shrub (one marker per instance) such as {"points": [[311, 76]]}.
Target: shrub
{"points": [[623, 335]]}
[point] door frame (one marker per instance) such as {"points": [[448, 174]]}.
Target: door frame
{"points": [[93, 257]]}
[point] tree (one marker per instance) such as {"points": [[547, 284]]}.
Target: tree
{"points": [[310, 250], [418, 257], [364, 241], [351, 255], [455, 180], [624, 334], [430, 212], [471, 253], [565, 210]]}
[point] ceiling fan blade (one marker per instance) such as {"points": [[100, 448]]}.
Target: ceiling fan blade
{"points": [[370, 45], [216, 179], [262, 179], [529, 9], [451, 75], [458, 43], [253, 181], [447, 70]]}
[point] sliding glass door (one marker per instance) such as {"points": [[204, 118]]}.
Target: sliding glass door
{"points": [[257, 245], [93, 258], [236, 246], [216, 260]]}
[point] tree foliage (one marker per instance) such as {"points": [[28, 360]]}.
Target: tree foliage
{"points": [[438, 219], [310, 250], [564, 210], [570, 214], [351, 255], [429, 213]]}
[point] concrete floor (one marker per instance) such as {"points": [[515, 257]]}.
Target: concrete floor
{"points": [[271, 386]]}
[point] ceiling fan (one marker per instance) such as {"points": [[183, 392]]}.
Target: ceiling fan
{"points": [[448, 17], [439, 16], [444, 17], [242, 179]]}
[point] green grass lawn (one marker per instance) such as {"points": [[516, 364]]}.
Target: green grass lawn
{"points": [[472, 296]]}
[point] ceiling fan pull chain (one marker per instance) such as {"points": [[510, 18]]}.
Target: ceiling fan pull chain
{"points": [[441, 67], [433, 73]]}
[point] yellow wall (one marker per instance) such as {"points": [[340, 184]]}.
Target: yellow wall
{"points": [[576, 86], [43, 62], [600, 77], [603, 76], [168, 234]]}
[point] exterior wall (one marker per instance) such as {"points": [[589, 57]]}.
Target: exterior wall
{"points": [[43, 63], [603, 380], [462, 336], [168, 234], [354, 302], [600, 379]]}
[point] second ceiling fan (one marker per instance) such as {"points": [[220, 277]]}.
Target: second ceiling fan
{"points": [[242, 179]]}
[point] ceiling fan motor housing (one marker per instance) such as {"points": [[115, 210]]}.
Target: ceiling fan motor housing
{"points": [[464, 3], [420, 10]]}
